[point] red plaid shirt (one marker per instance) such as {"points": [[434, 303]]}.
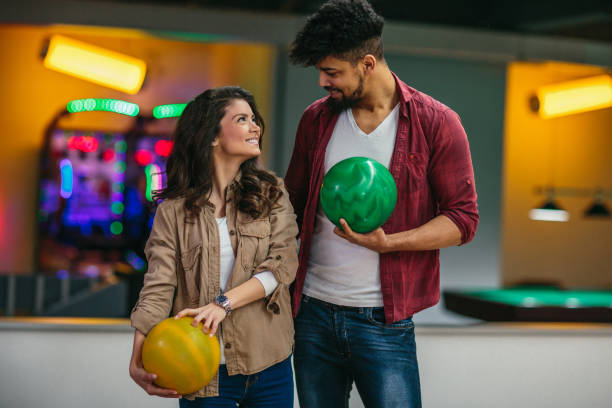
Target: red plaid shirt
{"points": [[432, 168]]}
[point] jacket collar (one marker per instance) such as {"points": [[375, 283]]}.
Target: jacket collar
{"points": [[235, 182]]}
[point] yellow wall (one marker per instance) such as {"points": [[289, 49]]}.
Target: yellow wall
{"points": [[32, 96], [574, 151]]}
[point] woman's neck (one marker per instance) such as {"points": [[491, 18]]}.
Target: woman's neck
{"points": [[224, 173]]}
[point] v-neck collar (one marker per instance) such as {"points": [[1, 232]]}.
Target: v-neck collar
{"points": [[354, 124]]}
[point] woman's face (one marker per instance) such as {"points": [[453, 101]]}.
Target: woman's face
{"points": [[239, 134]]}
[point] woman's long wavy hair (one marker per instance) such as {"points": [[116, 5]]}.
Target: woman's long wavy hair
{"points": [[190, 169]]}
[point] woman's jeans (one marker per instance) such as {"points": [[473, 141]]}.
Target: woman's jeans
{"points": [[270, 388], [336, 345]]}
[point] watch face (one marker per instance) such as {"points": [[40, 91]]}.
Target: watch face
{"points": [[220, 299]]}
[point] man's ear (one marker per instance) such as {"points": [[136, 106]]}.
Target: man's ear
{"points": [[369, 62]]}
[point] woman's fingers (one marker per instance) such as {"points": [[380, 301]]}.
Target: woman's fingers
{"points": [[152, 389], [145, 380], [214, 327], [210, 316], [205, 318], [187, 312]]}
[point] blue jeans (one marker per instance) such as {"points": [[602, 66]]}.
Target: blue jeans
{"points": [[338, 345], [270, 388]]}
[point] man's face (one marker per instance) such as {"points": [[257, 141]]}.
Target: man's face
{"points": [[342, 80]]}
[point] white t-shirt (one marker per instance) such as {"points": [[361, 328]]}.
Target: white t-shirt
{"points": [[340, 272], [226, 262]]}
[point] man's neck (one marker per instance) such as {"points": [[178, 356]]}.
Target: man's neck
{"points": [[380, 94]]}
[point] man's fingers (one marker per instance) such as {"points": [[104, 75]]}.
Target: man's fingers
{"points": [[345, 227], [339, 232]]}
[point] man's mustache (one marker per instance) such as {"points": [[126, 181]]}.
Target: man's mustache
{"points": [[329, 89]]}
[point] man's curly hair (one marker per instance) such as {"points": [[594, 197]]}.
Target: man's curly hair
{"points": [[344, 29]]}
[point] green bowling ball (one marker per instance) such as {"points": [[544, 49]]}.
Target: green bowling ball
{"points": [[360, 190]]}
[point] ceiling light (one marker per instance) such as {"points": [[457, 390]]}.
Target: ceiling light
{"points": [[576, 96], [95, 64], [549, 211], [597, 209]]}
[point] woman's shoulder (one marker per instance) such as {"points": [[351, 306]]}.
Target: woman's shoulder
{"points": [[279, 180], [171, 204]]}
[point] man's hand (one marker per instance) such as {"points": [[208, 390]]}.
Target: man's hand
{"points": [[374, 240]]}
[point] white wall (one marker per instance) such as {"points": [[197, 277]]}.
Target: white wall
{"points": [[479, 366]]}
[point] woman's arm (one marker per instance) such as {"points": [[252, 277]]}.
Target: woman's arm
{"points": [[211, 315], [155, 299], [281, 261]]}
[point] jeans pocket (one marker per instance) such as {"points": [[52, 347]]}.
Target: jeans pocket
{"points": [[376, 317]]}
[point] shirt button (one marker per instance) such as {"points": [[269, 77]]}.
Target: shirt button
{"points": [[411, 156], [232, 232], [228, 345], [278, 257], [469, 181], [274, 307]]}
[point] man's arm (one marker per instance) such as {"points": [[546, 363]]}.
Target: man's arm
{"points": [[452, 179], [439, 232]]}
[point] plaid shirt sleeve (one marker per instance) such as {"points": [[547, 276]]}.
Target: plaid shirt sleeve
{"points": [[452, 176]]}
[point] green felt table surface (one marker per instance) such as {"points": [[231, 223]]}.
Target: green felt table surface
{"points": [[541, 297]]}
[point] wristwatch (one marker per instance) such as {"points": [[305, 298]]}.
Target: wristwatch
{"points": [[224, 302]]}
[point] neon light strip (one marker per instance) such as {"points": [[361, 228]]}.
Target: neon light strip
{"points": [[66, 178], [105, 105], [154, 180], [168, 111]]}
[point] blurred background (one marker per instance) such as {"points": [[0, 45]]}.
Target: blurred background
{"points": [[83, 147]]}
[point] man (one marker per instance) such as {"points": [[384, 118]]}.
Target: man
{"points": [[355, 294]]}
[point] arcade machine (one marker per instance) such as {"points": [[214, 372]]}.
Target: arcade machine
{"points": [[96, 193]]}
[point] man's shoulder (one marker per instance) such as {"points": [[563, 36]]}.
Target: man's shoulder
{"points": [[423, 102], [316, 108]]}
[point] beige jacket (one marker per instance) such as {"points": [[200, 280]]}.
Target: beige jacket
{"points": [[183, 268]]}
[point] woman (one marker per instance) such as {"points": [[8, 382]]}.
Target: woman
{"points": [[223, 250]]}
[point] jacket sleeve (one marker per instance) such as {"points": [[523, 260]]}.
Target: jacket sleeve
{"points": [[155, 299], [452, 176], [282, 258], [298, 172]]}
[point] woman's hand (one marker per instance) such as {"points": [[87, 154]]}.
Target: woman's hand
{"points": [[145, 381], [210, 315], [143, 378]]}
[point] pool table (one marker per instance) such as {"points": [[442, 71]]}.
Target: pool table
{"points": [[531, 304]]}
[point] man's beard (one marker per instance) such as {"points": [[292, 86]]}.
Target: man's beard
{"points": [[346, 102]]}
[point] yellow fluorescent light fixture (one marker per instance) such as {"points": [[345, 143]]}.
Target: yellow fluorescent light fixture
{"points": [[576, 96], [95, 64]]}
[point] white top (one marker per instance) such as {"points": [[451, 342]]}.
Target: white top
{"points": [[340, 272], [226, 262]]}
